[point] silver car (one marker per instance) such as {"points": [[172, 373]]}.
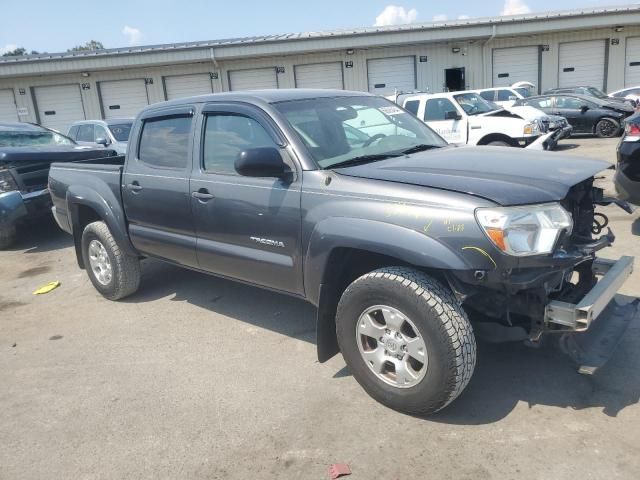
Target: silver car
{"points": [[112, 133]]}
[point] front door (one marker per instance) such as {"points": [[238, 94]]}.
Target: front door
{"points": [[248, 228], [440, 115], [570, 108], [156, 191], [454, 79]]}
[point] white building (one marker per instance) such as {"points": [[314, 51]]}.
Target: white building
{"points": [[598, 47]]}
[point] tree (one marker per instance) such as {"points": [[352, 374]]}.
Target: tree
{"points": [[89, 46], [15, 53]]}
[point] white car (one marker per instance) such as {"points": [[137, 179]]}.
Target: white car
{"points": [[466, 118], [630, 93], [112, 133], [503, 96]]}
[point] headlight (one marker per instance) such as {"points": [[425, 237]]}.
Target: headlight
{"points": [[7, 183], [528, 129], [528, 230]]}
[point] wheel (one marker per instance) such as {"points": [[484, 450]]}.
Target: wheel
{"points": [[499, 143], [7, 236], [406, 339], [113, 273], [607, 128]]}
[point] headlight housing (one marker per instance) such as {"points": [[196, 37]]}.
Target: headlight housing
{"points": [[528, 129], [527, 230], [7, 182]]}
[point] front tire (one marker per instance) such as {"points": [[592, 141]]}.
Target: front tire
{"points": [[607, 128], [113, 273], [406, 339]]}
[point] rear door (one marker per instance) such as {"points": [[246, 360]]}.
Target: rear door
{"points": [[435, 115], [248, 228], [570, 108], [156, 191]]}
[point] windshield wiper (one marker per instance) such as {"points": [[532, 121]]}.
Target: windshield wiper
{"points": [[363, 159], [421, 147]]}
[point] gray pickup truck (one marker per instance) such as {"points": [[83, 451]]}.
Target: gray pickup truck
{"points": [[348, 201]]}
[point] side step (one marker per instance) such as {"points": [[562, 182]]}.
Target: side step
{"points": [[593, 348]]}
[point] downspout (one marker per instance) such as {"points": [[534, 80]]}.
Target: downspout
{"points": [[484, 45], [216, 67]]}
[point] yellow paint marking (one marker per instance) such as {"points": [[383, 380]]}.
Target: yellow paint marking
{"points": [[483, 252]]}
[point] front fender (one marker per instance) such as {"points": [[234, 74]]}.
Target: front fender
{"points": [[373, 236], [106, 206], [12, 207]]}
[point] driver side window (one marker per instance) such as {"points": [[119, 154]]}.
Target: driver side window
{"points": [[437, 108]]}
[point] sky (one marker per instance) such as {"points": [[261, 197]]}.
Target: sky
{"points": [[55, 26]]}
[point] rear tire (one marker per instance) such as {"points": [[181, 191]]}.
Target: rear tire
{"points": [[7, 236], [406, 339], [113, 273], [607, 128]]}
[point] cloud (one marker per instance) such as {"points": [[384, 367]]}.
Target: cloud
{"points": [[133, 34], [463, 17], [9, 47], [515, 7], [393, 15], [439, 18]]}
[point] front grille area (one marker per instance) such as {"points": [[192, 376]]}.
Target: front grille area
{"points": [[32, 176]]}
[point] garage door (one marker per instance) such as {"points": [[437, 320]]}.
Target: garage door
{"points": [[582, 63], [518, 64], [180, 86], [254, 79], [123, 98], [8, 111], [386, 75], [319, 75], [632, 63], [59, 106]]}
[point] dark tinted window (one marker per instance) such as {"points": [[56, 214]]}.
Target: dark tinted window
{"points": [[503, 95], [539, 102], [121, 131], [85, 133], [226, 136], [100, 132], [165, 142], [412, 106], [436, 109], [488, 95], [73, 131], [570, 103]]}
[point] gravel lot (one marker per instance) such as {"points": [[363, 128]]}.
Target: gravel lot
{"points": [[196, 377]]}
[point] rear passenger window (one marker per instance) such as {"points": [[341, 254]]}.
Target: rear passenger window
{"points": [[503, 95], [226, 135], [73, 131], [85, 133], [412, 106], [165, 142], [488, 95]]}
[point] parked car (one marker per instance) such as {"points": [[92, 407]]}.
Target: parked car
{"points": [[465, 118], [112, 133], [502, 96], [26, 152], [627, 176], [397, 240], [631, 94], [587, 91], [585, 114]]}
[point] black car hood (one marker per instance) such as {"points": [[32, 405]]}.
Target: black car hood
{"points": [[505, 175], [51, 153]]}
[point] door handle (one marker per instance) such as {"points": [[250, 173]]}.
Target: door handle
{"points": [[134, 186], [202, 195]]}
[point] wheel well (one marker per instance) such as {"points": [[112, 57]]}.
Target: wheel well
{"points": [[497, 137], [84, 215], [344, 265], [604, 117]]}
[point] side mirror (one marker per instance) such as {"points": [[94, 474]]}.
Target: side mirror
{"points": [[260, 162], [102, 141], [452, 115], [584, 108]]}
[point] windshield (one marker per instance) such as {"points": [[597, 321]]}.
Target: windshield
{"points": [[345, 129], [121, 131], [32, 137], [596, 93], [474, 104]]}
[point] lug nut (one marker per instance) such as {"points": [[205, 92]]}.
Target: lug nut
{"points": [[398, 335], [387, 331]]}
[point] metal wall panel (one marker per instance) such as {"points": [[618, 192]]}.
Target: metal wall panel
{"points": [[59, 106], [8, 112]]}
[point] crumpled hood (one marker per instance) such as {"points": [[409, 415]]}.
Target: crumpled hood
{"points": [[505, 175], [51, 153]]}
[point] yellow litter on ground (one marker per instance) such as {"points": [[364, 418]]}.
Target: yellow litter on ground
{"points": [[47, 288]]}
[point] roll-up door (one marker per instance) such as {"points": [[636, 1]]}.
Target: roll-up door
{"points": [[387, 75], [180, 86], [59, 106], [123, 98], [516, 64], [253, 79], [582, 63], [8, 112], [632, 63], [319, 75]]}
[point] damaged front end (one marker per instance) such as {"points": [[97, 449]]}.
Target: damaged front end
{"points": [[569, 294]]}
